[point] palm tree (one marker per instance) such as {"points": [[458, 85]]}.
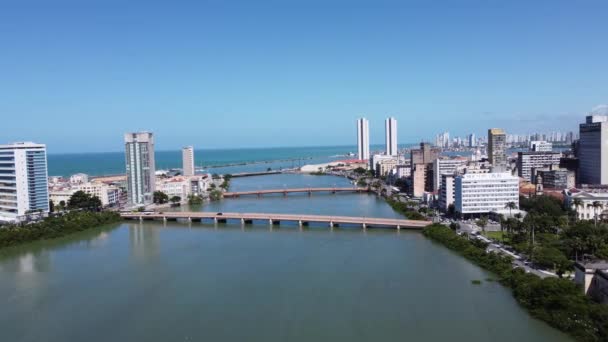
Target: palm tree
{"points": [[596, 205], [511, 206], [577, 202]]}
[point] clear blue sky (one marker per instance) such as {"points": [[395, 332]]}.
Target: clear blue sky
{"points": [[76, 75]]}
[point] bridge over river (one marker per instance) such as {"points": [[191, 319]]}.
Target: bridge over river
{"points": [[309, 191], [276, 219]]}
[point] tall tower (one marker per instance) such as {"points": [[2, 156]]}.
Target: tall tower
{"points": [[390, 125], [141, 178], [497, 149], [23, 180], [188, 161], [363, 139], [593, 150]]}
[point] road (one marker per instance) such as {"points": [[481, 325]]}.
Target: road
{"points": [[470, 228]]}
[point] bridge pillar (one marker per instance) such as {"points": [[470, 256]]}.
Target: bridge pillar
{"points": [[398, 227], [300, 223], [270, 222], [284, 193], [242, 221], [141, 218], [190, 219], [215, 220], [331, 224], [364, 225], [165, 219]]}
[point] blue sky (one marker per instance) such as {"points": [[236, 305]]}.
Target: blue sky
{"points": [[76, 75]]}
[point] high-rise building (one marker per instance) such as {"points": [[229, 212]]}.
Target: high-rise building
{"points": [[188, 161], [527, 161], [363, 139], [472, 141], [139, 152], [593, 150], [390, 125], [497, 149], [23, 180]]}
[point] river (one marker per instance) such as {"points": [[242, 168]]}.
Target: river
{"points": [[173, 281]]}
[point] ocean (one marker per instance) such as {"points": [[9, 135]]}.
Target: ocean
{"points": [[213, 161]]}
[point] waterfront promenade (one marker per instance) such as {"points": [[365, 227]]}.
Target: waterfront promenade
{"points": [[259, 193], [275, 219]]}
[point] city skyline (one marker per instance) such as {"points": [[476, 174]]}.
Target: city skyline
{"points": [[272, 81]]}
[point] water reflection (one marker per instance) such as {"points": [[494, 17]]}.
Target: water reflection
{"points": [[144, 242]]}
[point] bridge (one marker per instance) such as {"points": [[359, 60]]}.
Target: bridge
{"points": [[309, 191], [276, 219]]}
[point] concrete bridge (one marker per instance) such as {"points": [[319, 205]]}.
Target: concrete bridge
{"points": [[309, 191], [276, 219]]}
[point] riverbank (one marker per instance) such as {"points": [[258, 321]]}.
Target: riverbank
{"points": [[559, 302], [54, 227]]}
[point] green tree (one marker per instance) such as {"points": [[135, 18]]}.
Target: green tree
{"points": [[215, 195], [577, 203], [51, 206], [510, 206], [483, 223], [83, 200], [359, 171], [160, 197], [175, 199]]}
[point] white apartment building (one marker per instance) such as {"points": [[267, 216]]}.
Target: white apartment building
{"points": [[362, 139], [444, 167], [188, 161], [378, 158], [79, 178], [403, 171], [23, 180], [446, 192], [386, 166], [541, 146], [482, 193], [390, 126], [526, 161], [139, 151]]}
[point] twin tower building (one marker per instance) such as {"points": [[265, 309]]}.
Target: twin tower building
{"points": [[390, 126]]}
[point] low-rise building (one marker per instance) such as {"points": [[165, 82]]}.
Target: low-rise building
{"points": [[108, 195], [541, 146], [79, 178], [482, 193], [593, 279], [585, 209]]}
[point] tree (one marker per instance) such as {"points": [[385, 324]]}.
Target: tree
{"points": [[62, 204], [215, 195], [577, 202], [160, 197], [483, 222], [510, 206], [51, 206], [227, 177], [552, 258], [359, 170], [175, 199], [596, 205], [361, 182], [194, 199], [83, 200]]}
